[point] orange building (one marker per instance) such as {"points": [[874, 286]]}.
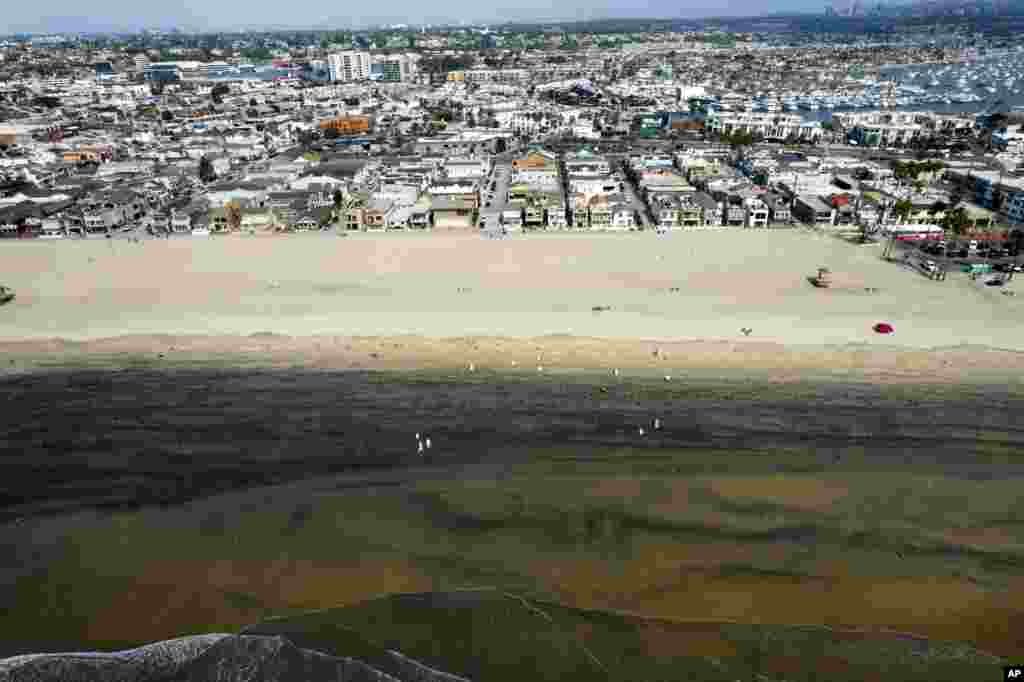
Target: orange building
{"points": [[347, 125]]}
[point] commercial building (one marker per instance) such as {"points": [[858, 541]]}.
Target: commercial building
{"points": [[172, 71], [347, 125], [396, 68], [219, 69]]}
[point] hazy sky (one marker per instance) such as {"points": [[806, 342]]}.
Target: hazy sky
{"points": [[67, 15]]}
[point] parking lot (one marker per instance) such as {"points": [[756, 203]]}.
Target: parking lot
{"points": [[959, 253]]}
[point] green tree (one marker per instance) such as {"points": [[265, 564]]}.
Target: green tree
{"points": [[903, 208], [1017, 237], [957, 221], [206, 172], [257, 54], [218, 92]]}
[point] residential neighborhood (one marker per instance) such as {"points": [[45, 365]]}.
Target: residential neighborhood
{"points": [[255, 136]]}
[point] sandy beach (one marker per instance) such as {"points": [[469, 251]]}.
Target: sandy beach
{"points": [[403, 300], [811, 474]]}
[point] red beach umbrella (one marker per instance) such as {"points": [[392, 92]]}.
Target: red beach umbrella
{"points": [[884, 328]]}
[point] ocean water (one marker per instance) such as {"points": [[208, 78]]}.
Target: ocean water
{"points": [[997, 78]]}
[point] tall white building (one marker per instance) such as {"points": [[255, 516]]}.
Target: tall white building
{"points": [[349, 66]]}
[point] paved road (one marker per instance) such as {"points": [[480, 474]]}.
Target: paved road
{"points": [[501, 176], [951, 263], [630, 190]]}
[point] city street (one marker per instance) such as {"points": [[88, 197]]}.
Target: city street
{"points": [[501, 175], [631, 193]]}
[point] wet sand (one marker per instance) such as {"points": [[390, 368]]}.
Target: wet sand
{"points": [[313, 494]]}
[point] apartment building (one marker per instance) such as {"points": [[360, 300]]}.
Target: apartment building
{"points": [[880, 128], [465, 143], [984, 187], [771, 126], [349, 66]]}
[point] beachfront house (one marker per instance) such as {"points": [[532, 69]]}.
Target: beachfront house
{"points": [[181, 223], [554, 211], [734, 210], [380, 214], [757, 212], [811, 210], [453, 213], [665, 208], [258, 220], [533, 214], [600, 212], [158, 222], [778, 209], [580, 215], [512, 217], [843, 210], [623, 214], [711, 210]]}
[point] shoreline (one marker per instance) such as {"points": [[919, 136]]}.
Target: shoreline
{"points": [[662, 359]]}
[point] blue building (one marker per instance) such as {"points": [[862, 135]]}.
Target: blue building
{"points": [[104, 70], [161, 71]]}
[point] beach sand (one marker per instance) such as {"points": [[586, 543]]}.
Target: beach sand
{"points": [[436, 300]]}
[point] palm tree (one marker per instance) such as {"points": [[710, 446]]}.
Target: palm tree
{"points": [[956, 220], [233, 213]]}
